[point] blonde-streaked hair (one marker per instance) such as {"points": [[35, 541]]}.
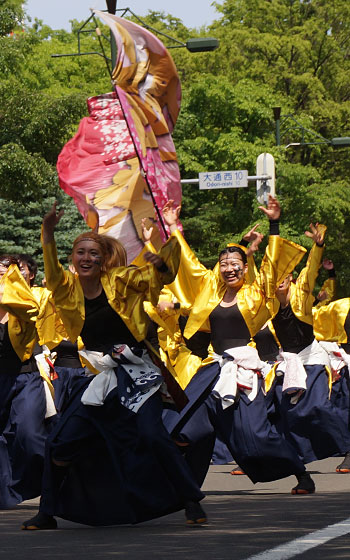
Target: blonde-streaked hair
{"points": [[113, 252]]}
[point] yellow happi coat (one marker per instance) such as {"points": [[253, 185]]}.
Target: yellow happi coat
{"points": [[126, 289], [200, 290], [329, 321], [17, 299], [301, 296]]}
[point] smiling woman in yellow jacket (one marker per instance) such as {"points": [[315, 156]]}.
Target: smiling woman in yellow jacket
{"points": [[225, 396], [110, 459]]}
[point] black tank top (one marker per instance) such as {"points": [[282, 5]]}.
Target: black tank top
{"points": [[103, 327], [266, 345], [9, 361], [67, 355], [228, 328], [293, 334]]}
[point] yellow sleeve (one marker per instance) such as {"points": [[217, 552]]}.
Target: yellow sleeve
{"points": [[190, 274], [17, 299], [66, 291], [16, 296], [328, 286], [280, 259], [302, 298], [48, 324], [329, 321], [127, 288], [257, 301], [139, 260], [252, 270]]}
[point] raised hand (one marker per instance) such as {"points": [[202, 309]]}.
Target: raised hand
{"points": [[171, 214], [273, 210], [164, 305], [146, 232], [322, 295], [50, 221], [316, 233], [250, 235], [254, 246]]}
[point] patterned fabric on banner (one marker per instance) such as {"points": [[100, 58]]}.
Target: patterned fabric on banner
{"points": [[124, 147]]}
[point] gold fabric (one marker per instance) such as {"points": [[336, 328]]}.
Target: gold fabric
{"points": [[139, 260], [126, 289], [329, 286], [329, 320], [18, 301], [48, 323], [301, 298], [270, 377], [203, 290]]}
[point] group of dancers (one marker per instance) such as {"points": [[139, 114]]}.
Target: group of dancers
{"points": [[116, 381]]}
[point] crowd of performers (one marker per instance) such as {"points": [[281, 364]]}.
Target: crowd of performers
{"points": [[120, 384]]}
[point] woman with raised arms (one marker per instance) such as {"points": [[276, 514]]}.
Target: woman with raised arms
{"points": [[110, 459]]}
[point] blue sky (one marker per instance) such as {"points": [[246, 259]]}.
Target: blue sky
{"points": [[57, 13]]}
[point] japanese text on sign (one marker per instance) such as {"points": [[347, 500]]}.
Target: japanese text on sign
{"points": [[223, 179]]}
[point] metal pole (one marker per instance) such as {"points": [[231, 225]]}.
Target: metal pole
{"points": [[112, 8], [277, 117]]}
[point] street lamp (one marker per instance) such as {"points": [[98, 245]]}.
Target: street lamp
{"points": [[338, 142], [194, 45]]}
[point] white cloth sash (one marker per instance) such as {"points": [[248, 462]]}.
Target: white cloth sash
{"points": [[240, 370], [104, 382], [337, 356], [292, 367], [44, 370], [145, 377]]}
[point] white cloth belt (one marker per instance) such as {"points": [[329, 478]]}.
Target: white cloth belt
{"points": [[292, 367], [337, 356], [104, 382], [145, 377], [240, 371], [50, 404], [44, 369]]}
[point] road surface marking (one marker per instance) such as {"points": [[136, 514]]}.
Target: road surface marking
{"points": [[301, 545]]}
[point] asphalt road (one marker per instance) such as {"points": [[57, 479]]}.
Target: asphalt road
{"points": [[244, 520]]}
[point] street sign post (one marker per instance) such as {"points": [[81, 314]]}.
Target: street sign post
{"points": [[265, 167], [223, 179]]}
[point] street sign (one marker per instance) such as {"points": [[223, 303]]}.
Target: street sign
{"points": [[223, 179]]}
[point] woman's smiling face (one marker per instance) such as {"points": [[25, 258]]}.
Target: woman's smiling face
{"points": [[87, 258], [232, 269]]}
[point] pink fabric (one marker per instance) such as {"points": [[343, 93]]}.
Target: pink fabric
{"points": [[113, 160]]}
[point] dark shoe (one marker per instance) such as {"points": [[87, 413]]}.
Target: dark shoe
{"points": [[344, 467], [237, 471], [305, 484], [195, 514], [39, 522]]}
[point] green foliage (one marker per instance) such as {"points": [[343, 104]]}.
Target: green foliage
{"points": [[288, 53], [20, 228]]}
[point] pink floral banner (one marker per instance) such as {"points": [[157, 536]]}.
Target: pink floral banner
{"points": [[122, 162]]}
